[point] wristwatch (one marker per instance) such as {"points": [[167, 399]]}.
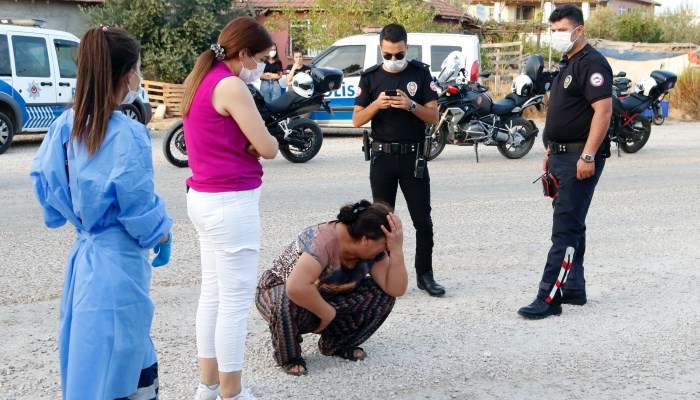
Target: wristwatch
{"points": [[588, 158], [413, 106]]}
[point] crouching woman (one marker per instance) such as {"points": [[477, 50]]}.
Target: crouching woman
{"points": [[339, 279]]}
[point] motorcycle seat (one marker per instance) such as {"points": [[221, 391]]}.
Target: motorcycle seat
{"points": [[635, 103], [283, 102], [503, 106]]}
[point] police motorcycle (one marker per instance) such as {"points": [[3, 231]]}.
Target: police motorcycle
{"points": [[469, 117], [628, 127], [299, 138], [621, 89]]}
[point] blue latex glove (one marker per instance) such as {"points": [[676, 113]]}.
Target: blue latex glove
{"points": [[162, 251]]}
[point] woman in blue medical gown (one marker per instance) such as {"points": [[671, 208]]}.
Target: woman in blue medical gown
{"points": [[94, 170]]}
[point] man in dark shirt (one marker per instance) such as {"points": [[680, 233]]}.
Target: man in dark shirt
{"points": [[298, 65], [578, 115], [399, 98]]}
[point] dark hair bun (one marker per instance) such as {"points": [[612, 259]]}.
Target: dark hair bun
{"points": [[349, 212]]}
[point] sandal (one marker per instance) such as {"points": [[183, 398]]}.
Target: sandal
{"points": [[349, 354], [296, 362]]}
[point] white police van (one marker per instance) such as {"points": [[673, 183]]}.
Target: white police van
{"points": [[356, 53], [38, 70]]}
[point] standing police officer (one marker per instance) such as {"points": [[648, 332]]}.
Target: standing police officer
{"points": [[580, 106], [399, 98]]}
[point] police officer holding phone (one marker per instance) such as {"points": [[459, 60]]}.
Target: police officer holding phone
{"points": [[399, 97]]}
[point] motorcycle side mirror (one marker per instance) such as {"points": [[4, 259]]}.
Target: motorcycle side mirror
{"points": [[621, 74]]}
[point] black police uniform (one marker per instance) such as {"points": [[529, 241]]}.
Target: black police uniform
{"points": [[397, 135], [582, 80]]}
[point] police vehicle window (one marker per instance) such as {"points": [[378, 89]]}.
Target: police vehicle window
{"points": [[31, 57], [349, 59], [438, 55], [4, 57], [413, 53], [67, 54]]}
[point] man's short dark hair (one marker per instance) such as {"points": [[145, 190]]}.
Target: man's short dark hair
{"points": [[568, 11], [298, 50], [393, 33]]}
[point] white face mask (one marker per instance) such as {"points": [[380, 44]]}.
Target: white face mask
{"points": [[561, 41], [251, 75], [395, 66], [273, 53], [131, 95]]}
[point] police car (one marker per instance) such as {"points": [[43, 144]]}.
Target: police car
{"points": [[354, 54], [38, 70]]}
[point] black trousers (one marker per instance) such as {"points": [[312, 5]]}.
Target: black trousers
{"points": [[386, 173], [565, 260]]}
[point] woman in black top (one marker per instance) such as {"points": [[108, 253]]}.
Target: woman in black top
{"points": [[269, 81]]}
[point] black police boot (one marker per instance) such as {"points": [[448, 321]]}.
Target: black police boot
{"points": [[540, 309], [575, 297], [427, 282]]}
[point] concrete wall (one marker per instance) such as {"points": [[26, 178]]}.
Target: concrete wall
{"points": [[57, 14]]}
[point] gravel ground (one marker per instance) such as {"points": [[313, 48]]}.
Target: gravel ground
{"points": [[636, 338]]}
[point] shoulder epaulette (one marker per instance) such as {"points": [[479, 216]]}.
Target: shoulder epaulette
{"points": [[370, 69], [420, 64]]}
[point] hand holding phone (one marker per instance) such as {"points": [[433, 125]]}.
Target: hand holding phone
{"points": [[392, 92]]}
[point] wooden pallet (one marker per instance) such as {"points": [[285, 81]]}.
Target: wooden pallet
{"points": [[169, 94]]}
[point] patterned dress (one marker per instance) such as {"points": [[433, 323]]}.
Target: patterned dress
{"points": [[361, 306]]}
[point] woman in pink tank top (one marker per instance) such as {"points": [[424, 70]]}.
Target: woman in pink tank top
{"points": [[225, 137]]}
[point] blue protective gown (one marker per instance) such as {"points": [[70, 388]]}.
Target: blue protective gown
{"points": [[106, 312]]}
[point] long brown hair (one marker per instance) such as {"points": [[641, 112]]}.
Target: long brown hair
{"points": [[105, 56], [239, 34]]}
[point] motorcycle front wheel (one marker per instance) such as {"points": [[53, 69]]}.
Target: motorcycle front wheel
{"points": [[522, 127], [658, 119], [636, 134], [174, 146], [439, 139], [306, 131]]}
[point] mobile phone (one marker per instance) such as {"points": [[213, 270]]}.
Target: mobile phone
{"points": [[392, 92]]}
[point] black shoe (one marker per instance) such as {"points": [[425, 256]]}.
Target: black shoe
{"points": [[427, 282], [575, 297], [540, 309]]}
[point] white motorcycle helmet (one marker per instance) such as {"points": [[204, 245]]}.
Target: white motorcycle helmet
{"points": [[646, 85], [303, 85], [522, 85]]}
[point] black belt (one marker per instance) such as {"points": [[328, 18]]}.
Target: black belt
{"points": [[394, 148], [573, 147]]}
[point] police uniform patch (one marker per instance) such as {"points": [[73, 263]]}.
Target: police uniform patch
{"points": [[567, 81], [433, 86], [597, 79], [412, 88], [358, 91]]}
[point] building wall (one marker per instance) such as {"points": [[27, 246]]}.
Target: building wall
{"points": [[58, 15], [626, 5]]}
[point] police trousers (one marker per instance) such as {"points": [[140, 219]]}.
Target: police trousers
{"points": [[386, 173], [565, 260]]}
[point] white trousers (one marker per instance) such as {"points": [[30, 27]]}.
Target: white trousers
{"points": [[228, 225]]}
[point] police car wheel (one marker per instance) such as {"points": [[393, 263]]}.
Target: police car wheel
{"points": [[132, 112], [7, 131]]}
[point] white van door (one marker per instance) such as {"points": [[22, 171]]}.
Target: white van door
{"points": [[33, 78], [67, 67]]}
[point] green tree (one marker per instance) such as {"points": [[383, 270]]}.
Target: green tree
{"points": [[636, 26], [330, 20], [680, 25], [601, 24], [172, 32]]}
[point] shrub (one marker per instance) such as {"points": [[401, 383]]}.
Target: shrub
{"points": [[601, 25], [686, 95], [680, 25], [635, 26]]}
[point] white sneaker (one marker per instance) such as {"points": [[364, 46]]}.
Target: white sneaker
{"points": [[204, 393], [245, 394]]}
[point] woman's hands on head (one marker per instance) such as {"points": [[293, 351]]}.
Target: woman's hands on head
{"points": [[394, 237]]}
